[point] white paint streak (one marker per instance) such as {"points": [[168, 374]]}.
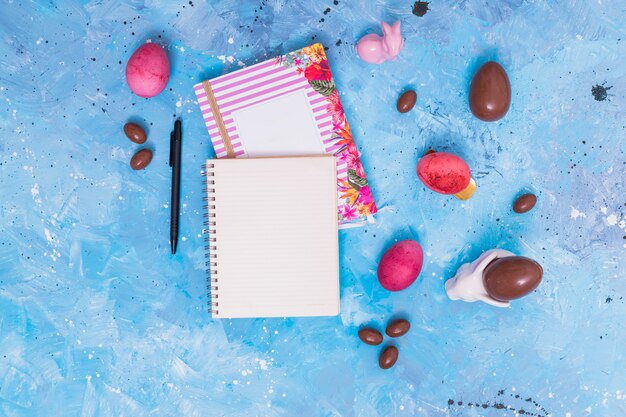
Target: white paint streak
{"points": [[575, 213], [262, 364]]}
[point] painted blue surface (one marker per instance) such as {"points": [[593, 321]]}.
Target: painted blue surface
{"points": [[97, 319]]}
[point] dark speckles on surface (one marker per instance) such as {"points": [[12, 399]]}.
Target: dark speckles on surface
{"points": [[600, 92], [506, 406], [420, 8]]}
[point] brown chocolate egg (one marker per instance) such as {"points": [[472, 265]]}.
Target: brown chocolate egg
{"points": [[135, 133], [511, 277], [398, 328], [388, 357], [406, 101], [370, 336], [141, 159], [524, 203], [490, 92]]}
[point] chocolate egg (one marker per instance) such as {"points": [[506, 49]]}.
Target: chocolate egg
{"points": [[524, 203], [444, 172], [398, 328], [490, 92], [135, 133], [388, 357], [511, 277], [141, 159], [370, 336], [406, 101]]}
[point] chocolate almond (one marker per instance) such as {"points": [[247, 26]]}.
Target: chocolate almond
{"points": [[388, 357], [406, 101], [370, 336], [525, 203], [398, 328], [135, 133], [141, 159]]}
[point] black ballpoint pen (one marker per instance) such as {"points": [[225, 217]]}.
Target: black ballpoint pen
{"points": [[176, 139]]}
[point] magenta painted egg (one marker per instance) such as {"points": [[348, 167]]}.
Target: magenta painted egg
{"points": [[400, 265], [148, 70]]}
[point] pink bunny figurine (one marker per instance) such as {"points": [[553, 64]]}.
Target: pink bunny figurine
{"points": [[376, 50]]}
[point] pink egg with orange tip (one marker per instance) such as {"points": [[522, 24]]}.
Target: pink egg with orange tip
{"points": [[400, 265], [446, 173], [148, 70]]}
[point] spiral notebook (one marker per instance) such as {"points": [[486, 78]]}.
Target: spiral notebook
{"points": [[288, 106], [272, 244]]}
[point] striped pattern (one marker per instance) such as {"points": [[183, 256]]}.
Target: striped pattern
{"points": [[257, 84]]}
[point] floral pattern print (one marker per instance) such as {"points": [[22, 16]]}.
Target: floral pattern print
{"points": [[336, 110], [355, 194]]}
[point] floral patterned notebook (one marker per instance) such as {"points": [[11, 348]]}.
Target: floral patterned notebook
{"points": [[288, 106]]}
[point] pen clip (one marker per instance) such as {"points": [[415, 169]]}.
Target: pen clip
{"points": [[171, 148]]}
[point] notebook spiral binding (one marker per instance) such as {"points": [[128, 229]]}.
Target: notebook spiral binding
{"points": [[210, 238]]}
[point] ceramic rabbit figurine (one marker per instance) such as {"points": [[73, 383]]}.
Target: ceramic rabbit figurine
{"points": [[376, 50], [496, 278], [467, 284]]}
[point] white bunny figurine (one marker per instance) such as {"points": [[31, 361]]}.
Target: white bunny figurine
{"points": [[467, 284]]}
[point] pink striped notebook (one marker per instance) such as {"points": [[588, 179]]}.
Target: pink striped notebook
{"points": [[288, 106]]}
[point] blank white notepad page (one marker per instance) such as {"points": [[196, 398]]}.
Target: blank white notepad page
{"points": [[276, 242], [265, 131]]}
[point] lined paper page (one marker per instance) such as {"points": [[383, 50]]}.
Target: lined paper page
{"points": [[276, 232]]}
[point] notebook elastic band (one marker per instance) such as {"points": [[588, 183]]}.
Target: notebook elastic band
{"points": [[230, 152]]}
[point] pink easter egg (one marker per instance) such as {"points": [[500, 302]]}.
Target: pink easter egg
{"points": [[148, 70], [400, 265]]}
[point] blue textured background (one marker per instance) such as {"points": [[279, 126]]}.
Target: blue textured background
{"points": [[97, 319]]}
